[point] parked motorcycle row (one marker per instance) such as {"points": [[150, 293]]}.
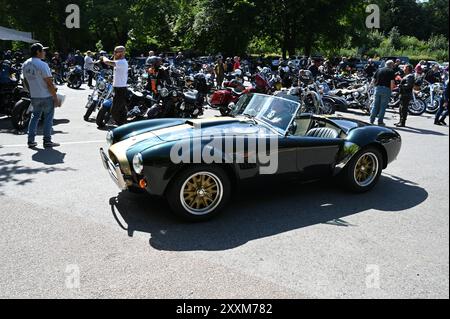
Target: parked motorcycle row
{"points": [[191, 87]]}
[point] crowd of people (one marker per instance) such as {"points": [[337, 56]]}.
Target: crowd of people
{"points": [[38, 78]]}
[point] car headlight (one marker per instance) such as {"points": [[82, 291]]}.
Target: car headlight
{"points": [[164, 92], [110, 138], [138, 165]]}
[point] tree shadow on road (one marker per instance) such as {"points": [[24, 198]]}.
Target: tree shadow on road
{"points": [[261, 211], [12, 172]]}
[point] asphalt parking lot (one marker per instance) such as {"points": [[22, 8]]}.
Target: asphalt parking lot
{"points": [[61, 216]]}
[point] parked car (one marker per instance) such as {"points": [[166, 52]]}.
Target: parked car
{"points": [[166, 157]]}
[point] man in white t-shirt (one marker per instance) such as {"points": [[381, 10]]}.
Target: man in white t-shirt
{"points": [[119, 108], [38, 80]]}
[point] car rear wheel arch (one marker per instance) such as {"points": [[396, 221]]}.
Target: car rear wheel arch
{"points": [[383, 152]]}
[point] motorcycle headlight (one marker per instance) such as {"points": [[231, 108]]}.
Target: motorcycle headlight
{"points": [[110, 138], [138, 165], [164, 92], [102, 86]]}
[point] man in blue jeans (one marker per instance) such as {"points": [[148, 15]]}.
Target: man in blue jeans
{"points": [[384, 83], [442, 113], [39, 82]]}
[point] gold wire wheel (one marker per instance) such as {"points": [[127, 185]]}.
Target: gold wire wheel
{"points": [[201, 193], [366, 169]]}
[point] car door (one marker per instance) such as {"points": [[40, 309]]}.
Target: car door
{"points": [[315, 157]]}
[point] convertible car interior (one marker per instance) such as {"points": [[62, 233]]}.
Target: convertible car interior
{"points": [[310, 126]]}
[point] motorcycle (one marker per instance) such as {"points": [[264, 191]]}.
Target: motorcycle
{"points": [[75, 77], [102, 91], [137, 106], [14, 102]]}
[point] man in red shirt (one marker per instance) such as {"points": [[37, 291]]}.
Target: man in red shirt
{"points": [[237, 63]]}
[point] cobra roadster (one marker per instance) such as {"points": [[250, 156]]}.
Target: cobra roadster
{"points": [[197, 163]]}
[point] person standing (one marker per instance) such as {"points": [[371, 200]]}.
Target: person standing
{"points": [[57, 65], [39, 83], [419, 68], [370, 69], [120, 80], [314, 68], [384, 83], [219, 71], [442, 114], [406, 94], [79, 61], [89, 67], [179, 59], [237, 63]]}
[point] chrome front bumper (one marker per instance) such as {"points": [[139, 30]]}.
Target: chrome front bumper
{"points": [[113, 170]]}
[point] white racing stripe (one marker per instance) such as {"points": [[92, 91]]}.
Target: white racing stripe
{"points": [[63, 143]]}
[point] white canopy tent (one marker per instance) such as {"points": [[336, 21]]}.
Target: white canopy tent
{"points": [[14, 35]]}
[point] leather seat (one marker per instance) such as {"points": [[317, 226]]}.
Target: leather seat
{"points": [[323, 132], [191, 96]]}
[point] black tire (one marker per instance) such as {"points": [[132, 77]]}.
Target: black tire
{"points": [[103, 117], [349, 175], [20, 118], [180, 187], [329, 107], [90, 110], [77, 84], [225, 111], [417, 107], [432, 108]]}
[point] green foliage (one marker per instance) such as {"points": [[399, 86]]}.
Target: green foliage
{"points": [[237, 26]]}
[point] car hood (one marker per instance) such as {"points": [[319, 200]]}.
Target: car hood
{"points": [[220, 126], [135, 138]]}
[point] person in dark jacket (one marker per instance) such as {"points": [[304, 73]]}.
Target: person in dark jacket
{"points": [[370, 69], [442, 114], [434, 75], [406, 94]]}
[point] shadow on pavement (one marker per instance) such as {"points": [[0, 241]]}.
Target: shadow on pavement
{"points": [[259, 212], [6, 126], [416, 130], [12, 172], [49, 156]]}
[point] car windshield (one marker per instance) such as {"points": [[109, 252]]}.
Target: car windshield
{"points": [[273, 111]]}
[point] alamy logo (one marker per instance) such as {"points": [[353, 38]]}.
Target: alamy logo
{"points": [[72, 277], [221, 148], [373, 19], [73, 19]]}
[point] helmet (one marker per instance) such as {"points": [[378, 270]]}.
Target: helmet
{"points": [[265, 71], [306, 76], [291, 64], [153, 61]]}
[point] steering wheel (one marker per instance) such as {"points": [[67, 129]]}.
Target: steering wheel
{"points": [[293, 128]]}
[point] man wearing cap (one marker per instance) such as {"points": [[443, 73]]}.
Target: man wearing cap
{"points": [[119, 110], [39, 83]]}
